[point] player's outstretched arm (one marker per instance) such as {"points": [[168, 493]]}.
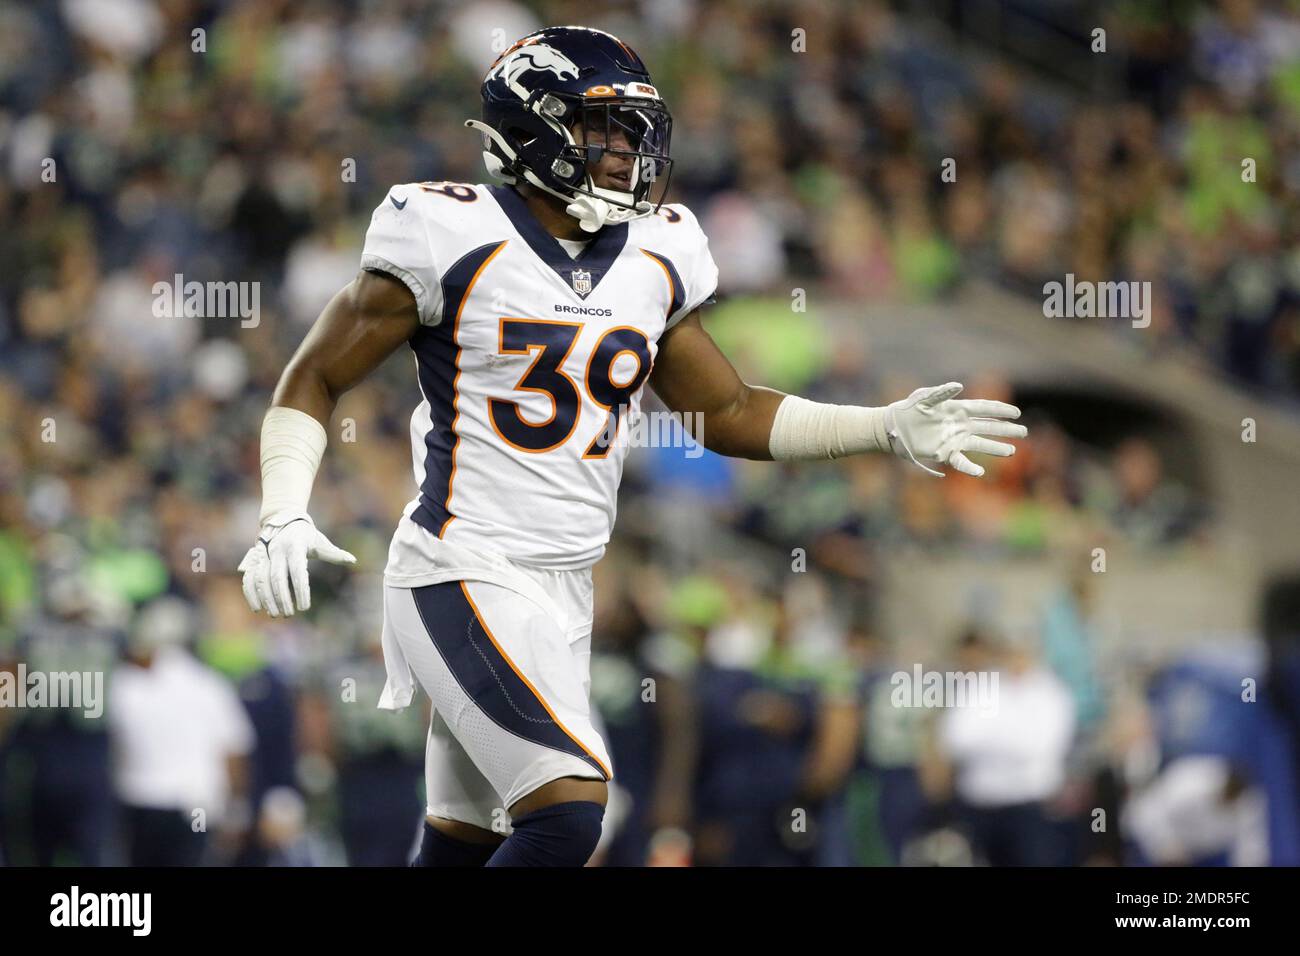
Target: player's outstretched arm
{"points": [[369, 318], [929, 427], [692, 375]]}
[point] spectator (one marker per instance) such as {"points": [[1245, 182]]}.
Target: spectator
{"points": [[1199, 811], [1008, 758], [56, 794], [181, 741]]}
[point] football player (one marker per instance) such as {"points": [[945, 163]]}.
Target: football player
{"points": [[537, 309]]}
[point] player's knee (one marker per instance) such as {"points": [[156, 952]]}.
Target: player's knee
{"points": [[563, 834]]}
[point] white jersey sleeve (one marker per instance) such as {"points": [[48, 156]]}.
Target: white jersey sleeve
{"points": [[398, 244], [699, 273]]}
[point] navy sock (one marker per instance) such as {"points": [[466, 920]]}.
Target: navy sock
{"points": [[564, 834], [438, 849]]}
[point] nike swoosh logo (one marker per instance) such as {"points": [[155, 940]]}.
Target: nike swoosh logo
{"points": [[399, 205]]}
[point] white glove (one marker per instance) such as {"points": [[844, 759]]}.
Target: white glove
{"points": [[280, 556], [931, 426]]}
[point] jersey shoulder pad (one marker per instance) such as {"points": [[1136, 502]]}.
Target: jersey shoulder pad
{"points": [[673, 224], [419, 230], [674, 236]]}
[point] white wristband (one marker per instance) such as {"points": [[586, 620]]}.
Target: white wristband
{"points": [[808, 431], [292, 445]]}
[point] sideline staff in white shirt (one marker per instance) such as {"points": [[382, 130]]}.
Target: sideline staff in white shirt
{"points": [[180, 735]]}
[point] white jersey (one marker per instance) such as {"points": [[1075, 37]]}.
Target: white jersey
{"points": [[528, 361]]}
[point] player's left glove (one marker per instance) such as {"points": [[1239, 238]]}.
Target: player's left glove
{"points": [[279, 557], [932, 425]]}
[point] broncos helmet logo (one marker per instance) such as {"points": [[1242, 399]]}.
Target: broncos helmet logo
{"points": [[533, 56]]}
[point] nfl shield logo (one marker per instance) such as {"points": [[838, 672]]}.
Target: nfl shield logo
{"points": [[581, 281]]}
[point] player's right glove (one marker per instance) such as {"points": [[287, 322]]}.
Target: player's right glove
{"points": [[279, 558]]}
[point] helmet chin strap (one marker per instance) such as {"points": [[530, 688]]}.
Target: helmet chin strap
{"points": [[591, 211]]}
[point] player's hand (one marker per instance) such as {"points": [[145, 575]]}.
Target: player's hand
{"points": [[932, 425], [279, 557]]}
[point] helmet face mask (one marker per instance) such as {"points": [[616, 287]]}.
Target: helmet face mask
{"points": [[560, 102], [635, 129]]}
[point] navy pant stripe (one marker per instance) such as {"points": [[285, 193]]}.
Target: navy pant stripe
{"points": [[485, 674]]}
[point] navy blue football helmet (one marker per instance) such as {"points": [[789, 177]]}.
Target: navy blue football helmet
{"points": [[564, 78]]}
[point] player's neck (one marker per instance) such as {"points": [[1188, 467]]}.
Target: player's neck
{"points": [[549, 211]]}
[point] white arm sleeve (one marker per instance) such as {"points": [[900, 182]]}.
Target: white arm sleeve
{"points": [[292, 445], [808, 431]]}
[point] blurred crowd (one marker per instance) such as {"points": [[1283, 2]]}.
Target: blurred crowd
{"points": [[248, 141], [751, 721], [811, 740]]}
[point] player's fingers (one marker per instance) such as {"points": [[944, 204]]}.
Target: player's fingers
{"points": [[280, 581], [965, 465], [986, 446], [988, 408], [326, 550], [298, 577], [996, 427], [249, 567], [262, 584], [940, 393]]}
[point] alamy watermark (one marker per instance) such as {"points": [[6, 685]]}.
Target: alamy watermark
{"points": [[1082, 299], [133, 911], [977, 690], [638, 429], [74, 690], [208, 300]]}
